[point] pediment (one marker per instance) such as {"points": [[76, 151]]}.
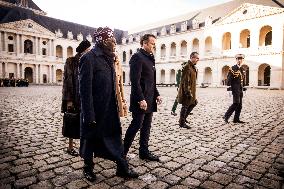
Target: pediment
{"points": [[249, 11], [27, 26]]}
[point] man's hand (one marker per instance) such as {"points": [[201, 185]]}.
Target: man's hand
{"points": [[143, 104], [159, 100], [69, 105]]}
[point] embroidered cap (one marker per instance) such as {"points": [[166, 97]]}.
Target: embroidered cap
{"points": [[242, 56]]}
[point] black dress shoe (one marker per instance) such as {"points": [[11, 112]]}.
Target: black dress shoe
{"points": [[238, 121], [89, 175], [185, 126], [173, 113], [128, 173], [226, 119], [149, 157]]}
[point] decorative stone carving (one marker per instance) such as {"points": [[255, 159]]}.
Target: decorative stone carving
{"points": [[164, 31], [195, 24], [184, 26], [208, 21], [173, 29], [249, 11], [58, 33], [69, 35], [89, 38], [80, 37], [123, 40], [130, 39]]}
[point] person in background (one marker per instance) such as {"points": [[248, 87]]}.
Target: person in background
{"points": [[70, 92], [187, 89], [122, 106], [235, 79]]}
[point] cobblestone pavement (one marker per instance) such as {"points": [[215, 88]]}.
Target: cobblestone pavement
{"points": [[210, 155]]}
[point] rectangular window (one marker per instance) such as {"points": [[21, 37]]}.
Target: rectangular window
{"points": [[43, 51], [11, 75], [10, 48]]}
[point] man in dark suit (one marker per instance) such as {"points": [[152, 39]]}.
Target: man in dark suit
{"points": [[236, 81], [100, 130], [144, 96]]}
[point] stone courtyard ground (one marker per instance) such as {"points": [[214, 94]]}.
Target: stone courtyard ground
{"points": [[210, 155]]}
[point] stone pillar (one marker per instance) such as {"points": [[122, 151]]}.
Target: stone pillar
{"points": [[1, 43], [6, 70], [23, 44], [5, 42], [178, 49], [23, 71], [253, 77], [168, 51], [18, 71], [254, 38], [54, 74], [17, 44], [36, 46], [235, 40], [50, 47], [39, 46], [49, 75], [36, 73], [158, 53], [40, 74], [202, 47], [276, 77], [167, 76], [1, 71]]}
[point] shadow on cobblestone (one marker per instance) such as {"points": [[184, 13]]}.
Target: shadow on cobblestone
{"points": [[210, 155]]}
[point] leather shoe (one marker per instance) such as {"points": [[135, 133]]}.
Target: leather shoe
{"points": [[173, 113], [185, 126], [129, 173], [149, 156], [89, 175], [226, 119], [238, 121]]}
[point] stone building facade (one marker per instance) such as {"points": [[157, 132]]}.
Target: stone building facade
{"points": [[34, 46], [218, 33]]}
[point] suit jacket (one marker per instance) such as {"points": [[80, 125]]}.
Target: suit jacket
{"points": [[70, 89], [236, 81], [187, 87], [143, 82]]}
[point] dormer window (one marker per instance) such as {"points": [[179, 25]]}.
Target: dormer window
{"points": [[195, 24], [184, 26], [164, 31], [173, 29]]}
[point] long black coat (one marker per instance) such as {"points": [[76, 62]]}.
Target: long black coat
{"points": [[143, 82], [70, 89], [98, 103], [236, 81]]}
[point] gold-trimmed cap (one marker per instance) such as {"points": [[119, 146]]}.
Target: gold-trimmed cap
{"points": [[240, 56]]}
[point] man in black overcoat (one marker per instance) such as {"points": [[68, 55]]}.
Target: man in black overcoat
{"points": [[100, 122], [236, 82], [144, 96]]}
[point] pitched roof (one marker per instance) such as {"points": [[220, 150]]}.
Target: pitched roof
{"points": [[18, 13], [216, 12]]}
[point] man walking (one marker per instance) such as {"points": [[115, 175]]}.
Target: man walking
{"points": [[144, 96], [236, 81], [100, 123], [187, 89]]}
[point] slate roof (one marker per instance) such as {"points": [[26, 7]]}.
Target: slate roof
{"points": [[216, 12], [8, 14]]}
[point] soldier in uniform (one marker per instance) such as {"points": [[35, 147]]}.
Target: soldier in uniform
{"points": [[235, 80]]}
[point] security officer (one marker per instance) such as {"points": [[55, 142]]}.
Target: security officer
{"points": [[236, 81]]}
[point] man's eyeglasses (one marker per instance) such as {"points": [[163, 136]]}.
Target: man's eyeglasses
{"points": [[239, 58]]}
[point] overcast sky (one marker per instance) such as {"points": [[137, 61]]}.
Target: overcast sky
{"points": [[120, 14]]}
